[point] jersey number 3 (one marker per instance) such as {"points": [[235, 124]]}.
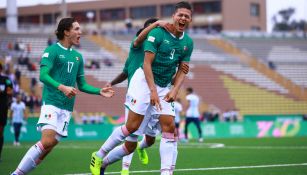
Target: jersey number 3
{"points": [[69, 66]]}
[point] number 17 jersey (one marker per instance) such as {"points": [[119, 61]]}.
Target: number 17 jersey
{"points": [[65, 64]]}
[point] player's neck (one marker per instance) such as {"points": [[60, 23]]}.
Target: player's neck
{"points": [[172, 29], [65, 43]]}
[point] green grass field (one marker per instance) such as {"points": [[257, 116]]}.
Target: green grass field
{"points": [[267, 156]]}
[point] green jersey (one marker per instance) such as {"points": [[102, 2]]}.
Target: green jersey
{"points": [[65, 64], [134, 60], [169, 52]]}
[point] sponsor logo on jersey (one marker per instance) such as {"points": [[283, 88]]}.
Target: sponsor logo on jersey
{"points": [[61, 56], [46, 55], [151, 39], [166, 41]]}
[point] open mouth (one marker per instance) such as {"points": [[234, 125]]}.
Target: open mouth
{"points": [[78, 39], [181, 25]]}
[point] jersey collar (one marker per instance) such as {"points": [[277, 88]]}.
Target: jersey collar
{"points": [[59, 44], [176, 37]]}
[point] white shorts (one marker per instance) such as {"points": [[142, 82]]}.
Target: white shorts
{"points": [[138, 96], [57, 119], [149, 126]]}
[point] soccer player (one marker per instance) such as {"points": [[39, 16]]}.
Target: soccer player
{"points": [[6, 90], [18, 114], [164, 50], [134, 61], [61, 68], [149, 89], [192, 113]]}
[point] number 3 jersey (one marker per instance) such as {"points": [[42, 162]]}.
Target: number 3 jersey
{"points": [[65, 64], [169, 52]]}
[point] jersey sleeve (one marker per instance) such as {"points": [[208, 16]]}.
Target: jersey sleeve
{"points": [[48, 58], [189, 51], [81, 67], [154, 39]]}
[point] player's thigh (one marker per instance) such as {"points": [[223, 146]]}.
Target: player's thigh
{"points": [[134, 121], [167, 123]]}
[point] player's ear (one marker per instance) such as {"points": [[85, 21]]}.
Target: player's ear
{"points": [[66, 33]]}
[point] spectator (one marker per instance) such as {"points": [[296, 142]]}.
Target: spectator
{"points": [[33, 84], [108, 62], [17, 75], [271, 65], [29, 48], [30, 102], [49, 41], [227, 116]]}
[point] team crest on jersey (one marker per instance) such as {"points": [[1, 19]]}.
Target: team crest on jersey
{"points": [[48, 116], [77, 58], [185, 48]]}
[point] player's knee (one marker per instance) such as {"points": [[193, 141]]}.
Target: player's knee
{"points": [[132, 127], [130, 146], [168, 128], [49, 143]]}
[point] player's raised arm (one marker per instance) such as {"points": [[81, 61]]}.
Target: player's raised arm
{"points": [[143, 34]]}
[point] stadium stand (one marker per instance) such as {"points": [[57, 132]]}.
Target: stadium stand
{"points": [[228, 73]]}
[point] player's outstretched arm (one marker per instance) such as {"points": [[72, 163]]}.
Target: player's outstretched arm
{"points": [[87, 88], [107, 92], [118, 79]]}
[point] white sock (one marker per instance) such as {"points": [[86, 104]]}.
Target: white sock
{"points": [[31, 159], [117, 136], [175, 153], [114, 155], [143, 144], [127, 161], [166, 152]]}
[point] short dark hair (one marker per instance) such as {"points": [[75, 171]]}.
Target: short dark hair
{"points": [[183, 4], [1, 67], [190, 90], [64, 24], [146, 24]]}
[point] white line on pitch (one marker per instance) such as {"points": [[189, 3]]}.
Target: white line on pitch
{"points": [[208, 169]]}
